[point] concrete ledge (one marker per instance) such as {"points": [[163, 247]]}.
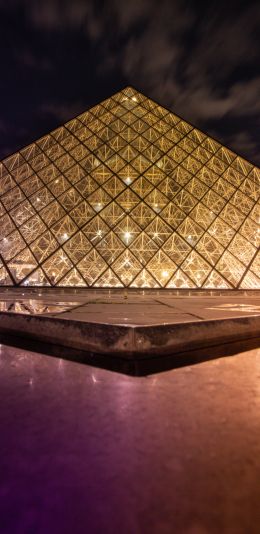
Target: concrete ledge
{"points": [[127, 341]]}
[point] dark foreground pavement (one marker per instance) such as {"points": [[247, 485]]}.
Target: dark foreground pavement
{"points": [[86, 450]]}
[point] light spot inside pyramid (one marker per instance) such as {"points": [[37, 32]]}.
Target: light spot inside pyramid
{"points": [[156, 208], [129, 194], [165, 274]]}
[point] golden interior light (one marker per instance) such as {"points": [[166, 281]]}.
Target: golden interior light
{"points": [[129, 194]]}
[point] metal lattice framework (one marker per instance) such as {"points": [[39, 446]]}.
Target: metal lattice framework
{"points": [[129, 194]]}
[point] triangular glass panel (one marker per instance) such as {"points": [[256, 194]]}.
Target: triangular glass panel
{"points": [[23, 264], [108, 279], [215, 281], [37, 278], [250, 281], [161, 267], [180, 281], [5, 279], [91, 266], [73, 278], [144, 279]]}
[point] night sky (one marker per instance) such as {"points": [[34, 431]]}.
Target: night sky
{"points": [[199, 59]]}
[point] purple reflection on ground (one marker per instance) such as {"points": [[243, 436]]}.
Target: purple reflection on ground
{"points": [[88, 450]]}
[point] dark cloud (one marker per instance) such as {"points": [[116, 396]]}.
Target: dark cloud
{"points": [[62, 15], [192, 63], [242, 141], [128, 15], [58, 15], [226, 39], [200, 60], [30, 60], [4, 127], [61, 112]]}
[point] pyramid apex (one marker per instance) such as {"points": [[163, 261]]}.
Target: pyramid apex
{"points": [[129, 91]]}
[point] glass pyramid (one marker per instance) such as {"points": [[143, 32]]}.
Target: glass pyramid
{"points": [[129, 194]]}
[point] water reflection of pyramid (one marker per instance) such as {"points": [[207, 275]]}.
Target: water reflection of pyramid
{"points": [[128, 194]]}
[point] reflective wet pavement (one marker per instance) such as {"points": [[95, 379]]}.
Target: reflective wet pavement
{"points": [[85, 450], [133, 326], [131, 307], [34, 307]]}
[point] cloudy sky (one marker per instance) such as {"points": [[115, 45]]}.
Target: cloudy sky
{"points": [[200, 59]]}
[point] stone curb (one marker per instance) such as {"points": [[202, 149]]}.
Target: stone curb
{"points": [[127, 341]]}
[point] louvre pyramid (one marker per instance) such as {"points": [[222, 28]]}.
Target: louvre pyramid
{"points": [[129, 194]]}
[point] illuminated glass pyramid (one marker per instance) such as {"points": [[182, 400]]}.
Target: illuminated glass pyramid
{"points": [[128, 194]]}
